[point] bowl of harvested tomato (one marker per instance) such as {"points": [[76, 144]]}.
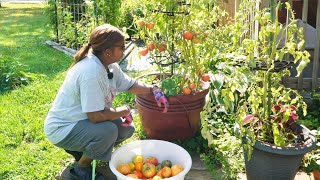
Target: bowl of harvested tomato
{"points": [[150, 159]]}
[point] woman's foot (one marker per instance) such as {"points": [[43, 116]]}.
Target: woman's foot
{"points": [[84, 173]]}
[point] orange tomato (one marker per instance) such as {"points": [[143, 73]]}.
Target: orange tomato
{"points": [[187, 35], [159, 173], [124, 169], [150, 25], [166, 172], [176, 169], [151, 46], [143, 52], [205, 77], [138, 166], [140, 22], [192, 86], [186, 90], [148, 170], [162, 47]]}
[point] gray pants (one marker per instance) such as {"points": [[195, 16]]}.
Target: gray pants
{"points": [[96, 140]]}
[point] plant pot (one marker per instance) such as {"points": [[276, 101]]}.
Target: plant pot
{"points": [[274, 162], [316, 175], [181, 121]]}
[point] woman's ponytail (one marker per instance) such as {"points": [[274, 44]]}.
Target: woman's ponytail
{"points": [[101, 38], [82, 53]]}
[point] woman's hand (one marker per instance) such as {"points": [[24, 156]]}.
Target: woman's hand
{"points": [[124, 110], [160, 98], [108, 114]]}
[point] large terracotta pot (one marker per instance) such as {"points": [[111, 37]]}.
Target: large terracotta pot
{"points": [[181, 121], [316, 175]]}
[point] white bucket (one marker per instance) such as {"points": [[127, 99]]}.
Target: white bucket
{"points": [[163, 150]]}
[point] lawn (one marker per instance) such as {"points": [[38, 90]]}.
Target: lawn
{"points": [[25, 153]]}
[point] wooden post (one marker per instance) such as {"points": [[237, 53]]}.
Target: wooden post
{"points": [[316, 52], [304, 23]]}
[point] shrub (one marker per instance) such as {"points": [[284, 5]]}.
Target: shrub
{"points": [[12, 75]]}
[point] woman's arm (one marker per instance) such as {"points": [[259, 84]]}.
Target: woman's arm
{"points": [[108, 114], [140, 88]]}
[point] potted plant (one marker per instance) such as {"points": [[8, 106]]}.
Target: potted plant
{"points": [[175, 33], [273, 141], [312, 159]]}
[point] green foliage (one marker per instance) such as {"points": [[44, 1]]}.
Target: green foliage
{"points": [[74, 24], [311, 161], [13, 75], [311, 120], [125, 98], [108, 11], [197, 144]]}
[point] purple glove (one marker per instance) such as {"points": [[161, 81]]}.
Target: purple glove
{"points": [[127, 120], [160, 98]]}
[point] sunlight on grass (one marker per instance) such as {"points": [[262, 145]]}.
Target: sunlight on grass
{"points": [[7, 43], [25, 153], [22, 14]]}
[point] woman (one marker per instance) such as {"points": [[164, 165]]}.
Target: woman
{"points": [[82, 120]]}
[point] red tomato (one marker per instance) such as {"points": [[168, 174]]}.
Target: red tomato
{"points": [[152, 160], [149, 170], [186, 90], [151, 46], [150, 25], [138, 173], [143, 52], [193, 86], [162, 47], [140, 22], [205, 77], [187, 35]]}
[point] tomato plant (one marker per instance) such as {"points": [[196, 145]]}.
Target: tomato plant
{"points": [[179, 39]]}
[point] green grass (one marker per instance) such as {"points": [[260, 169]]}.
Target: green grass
{"points": [[25, 153], [24, 31]]}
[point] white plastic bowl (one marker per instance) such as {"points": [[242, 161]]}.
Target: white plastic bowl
{"points": [[163, 150]]}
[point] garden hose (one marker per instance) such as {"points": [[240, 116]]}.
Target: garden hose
{"points": [[94, 163]]}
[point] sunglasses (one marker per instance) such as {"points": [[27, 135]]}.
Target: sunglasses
{"points": [[123, 47]]}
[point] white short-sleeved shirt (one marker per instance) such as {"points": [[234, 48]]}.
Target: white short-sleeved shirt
{"points": [[86, 88]]}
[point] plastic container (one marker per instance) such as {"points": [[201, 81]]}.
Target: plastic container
{"points": [[163, 150]]}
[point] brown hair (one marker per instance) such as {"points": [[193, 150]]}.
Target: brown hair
{"points": [[102, 37]]}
